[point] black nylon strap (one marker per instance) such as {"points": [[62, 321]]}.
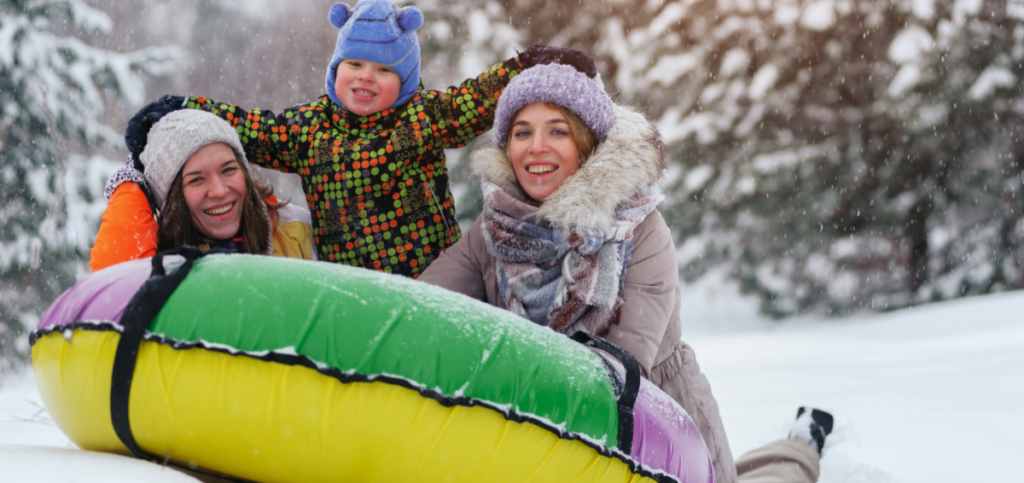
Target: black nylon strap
{"points": [[138, 315], [629, 393]]}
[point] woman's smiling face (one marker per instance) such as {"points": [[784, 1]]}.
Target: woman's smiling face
{"points": [[214, 189], [542, 150]]}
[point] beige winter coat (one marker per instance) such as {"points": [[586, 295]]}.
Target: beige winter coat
{"points": [[649, 328]]}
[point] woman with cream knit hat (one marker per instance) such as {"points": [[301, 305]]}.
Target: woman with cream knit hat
{"points": [[201, 193]]}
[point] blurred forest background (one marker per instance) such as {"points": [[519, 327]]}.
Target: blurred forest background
{"points": [[830, 156]]}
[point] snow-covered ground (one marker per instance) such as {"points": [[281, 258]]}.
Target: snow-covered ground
{"points": [[933, 394]]}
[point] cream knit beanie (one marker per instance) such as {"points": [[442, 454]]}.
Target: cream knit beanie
{"points": [[178, 136]]}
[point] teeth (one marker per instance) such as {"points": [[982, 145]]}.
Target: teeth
{"points": [[540, 168], [360, 92], [220, 211]]}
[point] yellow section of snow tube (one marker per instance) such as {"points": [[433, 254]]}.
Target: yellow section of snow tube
{"points": [[196, 404]]}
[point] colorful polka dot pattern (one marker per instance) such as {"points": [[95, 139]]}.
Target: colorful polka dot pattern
{"points": [[377, 185]]}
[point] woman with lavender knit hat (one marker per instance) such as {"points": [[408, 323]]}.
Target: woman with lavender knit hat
{"points": [[570, 238]]}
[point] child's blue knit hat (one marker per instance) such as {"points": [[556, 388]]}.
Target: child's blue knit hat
{"points": [[378, 31]]}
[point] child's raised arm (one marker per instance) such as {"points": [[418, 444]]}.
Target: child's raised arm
{"points": [[463, 112], [269, 140]]}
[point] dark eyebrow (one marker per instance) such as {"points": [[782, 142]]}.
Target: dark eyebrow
{"points": [[553, 121], [222, 166]]}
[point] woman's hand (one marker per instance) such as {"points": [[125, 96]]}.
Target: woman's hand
{"points": [[539, 54]]}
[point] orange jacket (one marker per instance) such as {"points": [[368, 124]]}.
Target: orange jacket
{"points": [[127, 229]]}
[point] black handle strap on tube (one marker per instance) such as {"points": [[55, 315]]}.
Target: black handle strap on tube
{"points": [[142, 309], [629, 393]]}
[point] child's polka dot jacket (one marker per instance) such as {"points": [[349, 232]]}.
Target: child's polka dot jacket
{"points": [[377, 185]]}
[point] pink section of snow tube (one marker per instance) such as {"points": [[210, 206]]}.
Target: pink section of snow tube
{"points": [[665, 438], [101, 297]]}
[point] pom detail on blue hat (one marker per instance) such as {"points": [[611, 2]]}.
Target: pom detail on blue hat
{"points": [[338, 15], [410, 18], [378, 31]]}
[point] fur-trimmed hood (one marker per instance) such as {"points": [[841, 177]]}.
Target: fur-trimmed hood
{"points": [[629, 160]]}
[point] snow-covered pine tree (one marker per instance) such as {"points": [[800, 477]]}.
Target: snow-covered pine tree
{"points": [[786, 140], [971, 84], [837, 155], [53, 90]]}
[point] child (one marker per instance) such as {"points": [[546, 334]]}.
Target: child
{"points": [[370, 152]]}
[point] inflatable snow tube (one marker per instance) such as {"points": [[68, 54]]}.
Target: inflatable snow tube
{"points": [[280, 370]]}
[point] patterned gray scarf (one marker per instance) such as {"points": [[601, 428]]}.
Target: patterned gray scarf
{"points": [[557, 278]]}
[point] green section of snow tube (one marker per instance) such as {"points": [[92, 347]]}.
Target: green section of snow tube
{"points": [[369, 323]]}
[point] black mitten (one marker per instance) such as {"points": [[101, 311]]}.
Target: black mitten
{"points": [[137, 132], [811, 427], [539, 54]]}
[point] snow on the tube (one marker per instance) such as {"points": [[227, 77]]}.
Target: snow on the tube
{"points": [[281, 370]]}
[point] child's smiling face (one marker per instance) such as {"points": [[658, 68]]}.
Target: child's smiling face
{"points": [[366, 87]]}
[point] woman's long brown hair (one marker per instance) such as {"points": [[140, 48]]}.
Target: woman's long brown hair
{"points": [[176, 227]]}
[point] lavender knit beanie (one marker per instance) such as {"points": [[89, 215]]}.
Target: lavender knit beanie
{"points": [[175, 138], [559, 84]]}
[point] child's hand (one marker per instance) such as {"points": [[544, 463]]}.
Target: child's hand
{"points": [[539, 54], [137, 132]]}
